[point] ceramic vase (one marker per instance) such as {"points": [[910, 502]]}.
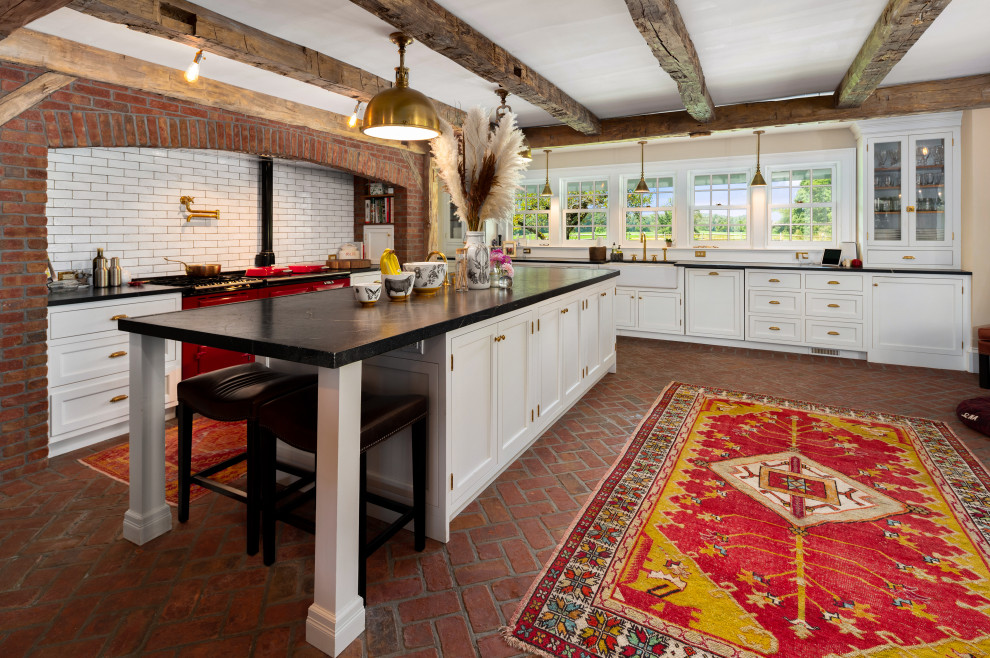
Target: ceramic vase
{"points": [[478, 260]]}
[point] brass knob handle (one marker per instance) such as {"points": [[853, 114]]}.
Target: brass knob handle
{"points": [[833, 283], [603, 294], [774, 328], [774, 301], [116, 355], [118, 317], [118, 398], [908, 257], [833, 306], [713, 274], [910, 208], [774, 280], [502, 336], [833, 333]]}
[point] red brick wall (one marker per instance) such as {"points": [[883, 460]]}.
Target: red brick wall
{"points": [[88, 113]]}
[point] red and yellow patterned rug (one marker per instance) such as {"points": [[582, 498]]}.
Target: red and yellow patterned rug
{"points": [[213, 442], [742, 525]]}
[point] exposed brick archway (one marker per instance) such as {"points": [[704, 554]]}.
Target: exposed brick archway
{"points": [[87, 113]]}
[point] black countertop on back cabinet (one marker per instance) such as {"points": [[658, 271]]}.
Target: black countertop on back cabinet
{"points": [[330, 329], [735, 265], [88, 294]]}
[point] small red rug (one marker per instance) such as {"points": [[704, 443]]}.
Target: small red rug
{"points": [[213, 442], [744, 526]]}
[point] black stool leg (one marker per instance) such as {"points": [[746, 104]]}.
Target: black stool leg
{"points": [[253, 489], [184, 455], [985, 371], [419, 482], [363, 555], [265, 467]]}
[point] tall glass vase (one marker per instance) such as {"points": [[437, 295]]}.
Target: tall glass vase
{"points": [[478, 260]]}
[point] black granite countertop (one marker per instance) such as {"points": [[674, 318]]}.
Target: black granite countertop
{"points": [[735, 265], [330, 329], [100, 294]]}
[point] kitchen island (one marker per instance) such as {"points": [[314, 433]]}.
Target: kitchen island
{"points": [[499, 366]]}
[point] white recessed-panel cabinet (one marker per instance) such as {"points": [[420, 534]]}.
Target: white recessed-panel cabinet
{"points": [[606, 327], [514, 355], [570, 349], [377, 239], [659, 312], [591, 361], [473, 420], [549, 358], [714, 303]]}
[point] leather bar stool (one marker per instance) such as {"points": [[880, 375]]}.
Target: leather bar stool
{"points": [[292, 419], [229, 394]]}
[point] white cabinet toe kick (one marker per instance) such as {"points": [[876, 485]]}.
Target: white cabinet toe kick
{"points": [[916, 319]]}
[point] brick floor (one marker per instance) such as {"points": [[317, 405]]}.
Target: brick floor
{"points": [[69, 585]]}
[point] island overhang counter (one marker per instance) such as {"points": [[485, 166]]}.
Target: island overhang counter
{"points": [[500, 366]]}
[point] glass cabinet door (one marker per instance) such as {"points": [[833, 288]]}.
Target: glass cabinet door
{"points": [[887, 164], [929, 190]]}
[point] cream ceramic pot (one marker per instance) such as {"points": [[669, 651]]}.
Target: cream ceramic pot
{"points": [[429, 276], [367, 293]]}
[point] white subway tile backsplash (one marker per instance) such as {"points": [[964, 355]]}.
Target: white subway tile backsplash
{"points": [[127, 201]]}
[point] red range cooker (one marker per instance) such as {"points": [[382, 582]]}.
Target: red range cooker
{"points": [[255, 283]]}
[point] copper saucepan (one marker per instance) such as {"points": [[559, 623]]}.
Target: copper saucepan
{"points": [[196, 269]]}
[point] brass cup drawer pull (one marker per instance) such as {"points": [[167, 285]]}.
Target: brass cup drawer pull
{"points": [[118, 317], [603, 294], [774, 281], [713, 274], [833, 283], [117, 355], [833, 333], [774, 328], [773, 301], [908, 257], [118, 398], [833, 306]]}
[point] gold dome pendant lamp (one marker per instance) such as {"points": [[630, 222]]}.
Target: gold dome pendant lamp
{"points": [[401, 113], [642, 187], [758, 180], [546, 186]]}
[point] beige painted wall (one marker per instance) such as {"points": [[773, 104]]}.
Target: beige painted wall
{"points": [[976, 208], [785, 141]]}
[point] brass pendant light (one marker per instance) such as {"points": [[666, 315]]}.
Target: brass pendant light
{"points": [[526, 153], [642, 187], [758, 180], [546, 186], [401, 113]]}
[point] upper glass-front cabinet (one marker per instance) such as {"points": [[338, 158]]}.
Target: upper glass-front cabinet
{"points": [[907, 180]]}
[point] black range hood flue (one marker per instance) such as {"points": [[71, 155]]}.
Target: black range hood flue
{"points": [[266, 175]]}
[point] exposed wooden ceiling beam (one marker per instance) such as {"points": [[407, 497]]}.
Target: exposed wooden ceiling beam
{"points": [[18, 13], [30, 94], [916, 98], [660, 23], [203, 29], [899, 26], [76, 59], [448, 35]]}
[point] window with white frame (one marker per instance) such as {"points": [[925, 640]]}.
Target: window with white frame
{"points": [[650, 213], [586, 209], [531, 215], [802, 205], [720, 206]]}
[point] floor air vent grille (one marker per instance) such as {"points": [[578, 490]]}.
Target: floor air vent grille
{"points": [[823, 351]]}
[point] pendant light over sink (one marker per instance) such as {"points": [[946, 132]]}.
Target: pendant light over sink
{"points": [[758, 180], [642, 187], [401, 113]]}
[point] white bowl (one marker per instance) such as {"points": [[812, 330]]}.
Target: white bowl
{"points": [[398, 286], [367, 293], [429, 275]]}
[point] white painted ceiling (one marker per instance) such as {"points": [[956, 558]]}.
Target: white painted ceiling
{"points": [[750, 51]]}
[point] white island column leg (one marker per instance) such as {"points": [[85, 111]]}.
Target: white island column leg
{"points": [[336, 617], [148, 516]]}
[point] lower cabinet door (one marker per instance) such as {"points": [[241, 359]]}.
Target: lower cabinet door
{"points": [[714, 303], [551, 392], [918, 314], [606, 325], [591, 360], [659, 312], [625, 308], [570, 349], [514, 363], [474, 453]]}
